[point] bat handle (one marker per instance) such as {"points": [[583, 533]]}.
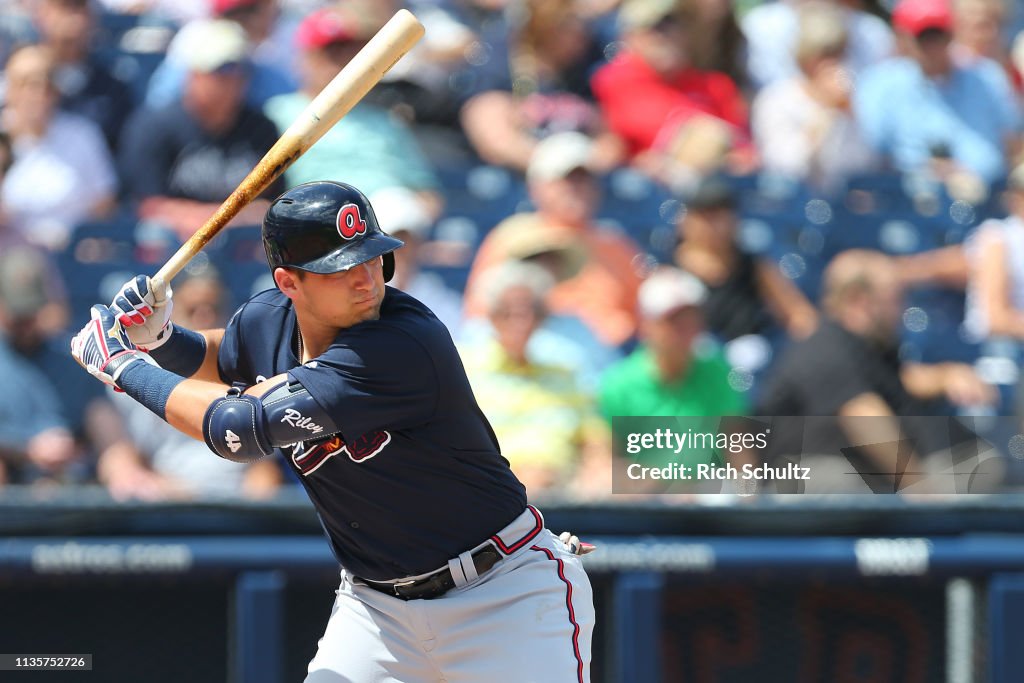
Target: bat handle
{"points": [[157, 282]]}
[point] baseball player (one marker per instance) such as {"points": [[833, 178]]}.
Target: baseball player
{"points": [[447, 573]]}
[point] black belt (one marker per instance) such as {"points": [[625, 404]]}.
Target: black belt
{"points": [[438, 583]]}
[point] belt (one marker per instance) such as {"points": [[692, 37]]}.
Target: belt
{"points": [[438, 583]]}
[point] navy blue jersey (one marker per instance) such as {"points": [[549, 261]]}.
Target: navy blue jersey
{"points": [[415, 477]]}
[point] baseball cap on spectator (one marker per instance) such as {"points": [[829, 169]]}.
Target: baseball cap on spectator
{"points": [[559, 155], [712, 192], [208, 45], [399, 209], [23, 281], [640, 14], [326, 27], [531, 238], [667, 290], [917, 16]]}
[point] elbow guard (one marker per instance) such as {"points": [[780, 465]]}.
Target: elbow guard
{"points": [[245, 428]]}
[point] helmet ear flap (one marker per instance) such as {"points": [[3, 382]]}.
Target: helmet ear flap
{"points": [[389, 266]]}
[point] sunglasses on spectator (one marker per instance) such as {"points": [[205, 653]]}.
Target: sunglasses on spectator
{"points": [[933, 35], [231, 69], [667, 24]]}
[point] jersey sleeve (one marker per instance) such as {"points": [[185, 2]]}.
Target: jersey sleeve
{"points": [[378, 378], [231, 360]]}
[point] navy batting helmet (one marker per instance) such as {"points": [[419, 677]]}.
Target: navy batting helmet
{"points": [[325, 227]]}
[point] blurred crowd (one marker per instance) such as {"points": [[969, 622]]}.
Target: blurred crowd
{"points": [[617, 207]]}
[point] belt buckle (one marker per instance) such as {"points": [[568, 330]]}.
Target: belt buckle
{"points": [[401, 584]]}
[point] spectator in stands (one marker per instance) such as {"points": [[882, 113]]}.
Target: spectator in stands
{"points": [[9, 236], [62, 172], [421, 87], [400, 214], [153, 461], [368, 148], [268, 72], [547, 427], [36, 442], [668, 112], [771, 30], [544, 90], [178, 11], [562, 338], [803, 125], [716, 38], [744, 295], [16, 28], [850, 368], [1017, 59], [995, 289], [83, 80], [978, 34], [601, 293], [931, 115], [183, 160], [493, 26], [677, 370], [39, 336], [270, 34]]}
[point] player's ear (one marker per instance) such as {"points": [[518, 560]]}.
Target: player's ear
{"points": [[286, 281]]}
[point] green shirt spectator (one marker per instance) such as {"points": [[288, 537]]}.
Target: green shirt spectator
{"points": [[633, 388], [675, 373]]}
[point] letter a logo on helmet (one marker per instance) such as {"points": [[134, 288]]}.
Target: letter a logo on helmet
{"points": [[350, 223]]}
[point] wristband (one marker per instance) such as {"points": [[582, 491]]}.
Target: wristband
{"points": [[149, 385], [183, 353]]}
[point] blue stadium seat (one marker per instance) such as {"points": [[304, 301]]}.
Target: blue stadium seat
{"points": [[875, 193], [111, 26], [135, 69], [238, 256], [637, 205], [896, 232], [242, 244], [933, 327], [91, 282]]}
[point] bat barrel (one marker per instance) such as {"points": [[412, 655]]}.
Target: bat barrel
{"points": [[346, 89]]}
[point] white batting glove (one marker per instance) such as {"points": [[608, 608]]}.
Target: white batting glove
{"points": [[144, 312], [574, 545], [102, 349]]}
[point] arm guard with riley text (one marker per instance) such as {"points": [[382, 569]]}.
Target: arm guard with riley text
{"points": [[245, 428]]}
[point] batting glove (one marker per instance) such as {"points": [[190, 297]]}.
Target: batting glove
{"points": [[574, 545], [144, 312], [104, 349]]}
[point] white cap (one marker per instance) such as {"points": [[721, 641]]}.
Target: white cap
{"points": [[669, 289], [400, 209], [644, 13], [559, 155], [208, 44]]}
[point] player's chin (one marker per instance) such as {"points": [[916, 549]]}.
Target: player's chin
{"points": [[368, 309]]}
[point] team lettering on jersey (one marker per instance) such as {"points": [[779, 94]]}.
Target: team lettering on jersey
{"points": [[309, 458]]}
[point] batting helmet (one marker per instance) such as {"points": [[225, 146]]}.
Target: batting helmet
{"points": [[325, 227]]}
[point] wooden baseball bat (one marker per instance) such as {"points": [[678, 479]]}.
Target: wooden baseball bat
{"points": [[351, 84]]}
